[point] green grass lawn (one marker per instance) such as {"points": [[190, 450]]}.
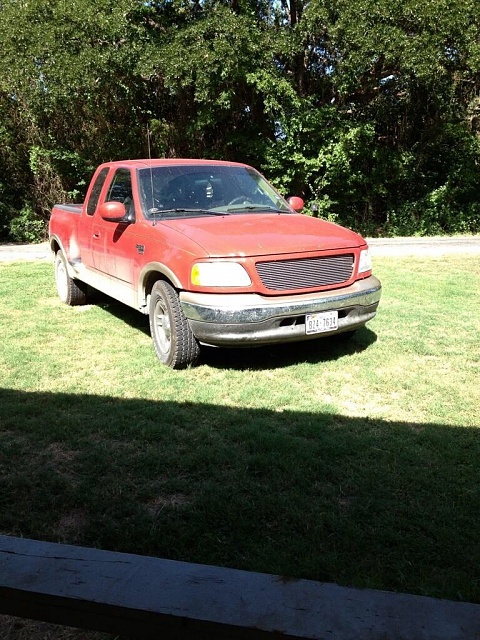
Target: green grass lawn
{"points": [[351, 462]]}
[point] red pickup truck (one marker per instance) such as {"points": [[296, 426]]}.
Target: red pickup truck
{"points": [[213, 254]]}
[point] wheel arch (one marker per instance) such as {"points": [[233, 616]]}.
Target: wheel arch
{"points": [[56, 246], [151, 274]]}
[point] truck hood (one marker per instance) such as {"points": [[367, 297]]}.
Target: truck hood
{"points": [[264, 234]]}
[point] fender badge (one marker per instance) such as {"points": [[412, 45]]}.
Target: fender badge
{"points": [[141, 249]]}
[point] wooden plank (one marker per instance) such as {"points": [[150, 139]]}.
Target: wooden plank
{"points": [[147, 597]]}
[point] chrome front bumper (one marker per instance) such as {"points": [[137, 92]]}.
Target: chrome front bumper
{"points": [[252, 319]]}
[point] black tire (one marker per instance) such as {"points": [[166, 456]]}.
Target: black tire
{"points": [[70, 291], [174, 342]]}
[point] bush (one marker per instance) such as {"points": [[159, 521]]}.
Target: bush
{"points": [[28, 227], [439, 212]]}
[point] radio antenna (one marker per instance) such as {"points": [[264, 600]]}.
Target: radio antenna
{"points": [[151, 172], [148, 143]]}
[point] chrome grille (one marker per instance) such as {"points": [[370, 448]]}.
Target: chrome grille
{"points": [[305, 273]]}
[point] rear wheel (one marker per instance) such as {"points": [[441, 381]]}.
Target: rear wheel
{"points": [[174, 342], [70, 291]]}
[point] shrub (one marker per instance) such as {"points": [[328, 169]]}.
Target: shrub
{"points": [[28, 227]]}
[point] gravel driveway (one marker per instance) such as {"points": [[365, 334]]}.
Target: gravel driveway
{"points": [[11, 252], [438, 246]]}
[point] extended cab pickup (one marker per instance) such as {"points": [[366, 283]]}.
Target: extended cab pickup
{"points": [[213, 254]]}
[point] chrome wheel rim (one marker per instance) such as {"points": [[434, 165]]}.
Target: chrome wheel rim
{"points": [[163, 329]]}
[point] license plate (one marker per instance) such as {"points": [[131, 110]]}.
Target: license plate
{"points": [[321, 322]]}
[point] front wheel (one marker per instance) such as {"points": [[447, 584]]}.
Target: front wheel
{"points": [[174, 342], [70, 291]]}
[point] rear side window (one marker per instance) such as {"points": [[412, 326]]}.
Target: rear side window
{"points": [[96, 190]]}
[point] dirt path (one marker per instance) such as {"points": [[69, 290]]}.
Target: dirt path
{"points": [[11, 252], [437, 246]]}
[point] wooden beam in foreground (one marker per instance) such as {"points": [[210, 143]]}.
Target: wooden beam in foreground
{"points": [[143, 597]]}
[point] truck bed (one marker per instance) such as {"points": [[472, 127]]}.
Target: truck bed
{"points": [[71, 208]]}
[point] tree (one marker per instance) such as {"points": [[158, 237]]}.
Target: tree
{"points": [[368, 109], [68, 82]]}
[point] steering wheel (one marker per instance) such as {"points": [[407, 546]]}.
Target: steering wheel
{"points": [[239, 200]]}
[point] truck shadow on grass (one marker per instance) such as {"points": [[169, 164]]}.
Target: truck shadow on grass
{"points": [[356, 501], [283, 355], [257, 358]]}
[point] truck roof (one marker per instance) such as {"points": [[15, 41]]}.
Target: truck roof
{"points": [[158, 162]]}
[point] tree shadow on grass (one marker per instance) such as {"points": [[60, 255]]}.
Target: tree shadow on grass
{"points": [[361, 502]]}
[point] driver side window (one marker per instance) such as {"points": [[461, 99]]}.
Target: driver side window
{"points": [[121, 189]]}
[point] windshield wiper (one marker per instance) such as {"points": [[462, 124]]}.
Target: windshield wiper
{"points": [[209, 212], [256, 207]]}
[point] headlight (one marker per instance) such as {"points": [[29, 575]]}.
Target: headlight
{"points": [[219, 274], [365, 262]]}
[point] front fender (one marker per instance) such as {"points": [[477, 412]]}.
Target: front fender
{"points": [[149, 274]]}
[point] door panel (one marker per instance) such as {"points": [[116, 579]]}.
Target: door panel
{"points": [[117, 240]]}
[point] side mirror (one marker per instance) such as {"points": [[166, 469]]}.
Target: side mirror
{"points": [[114, 212], [296, 203]]}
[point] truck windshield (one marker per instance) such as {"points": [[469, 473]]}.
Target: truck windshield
{"points": [[197, 190]]}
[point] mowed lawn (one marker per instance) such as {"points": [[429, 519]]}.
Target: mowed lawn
{"points": [[356, 462]]}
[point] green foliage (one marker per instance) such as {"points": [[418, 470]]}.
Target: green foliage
{"points": [[369, 110], [27, 227], [435, 214], [202, 70]]}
